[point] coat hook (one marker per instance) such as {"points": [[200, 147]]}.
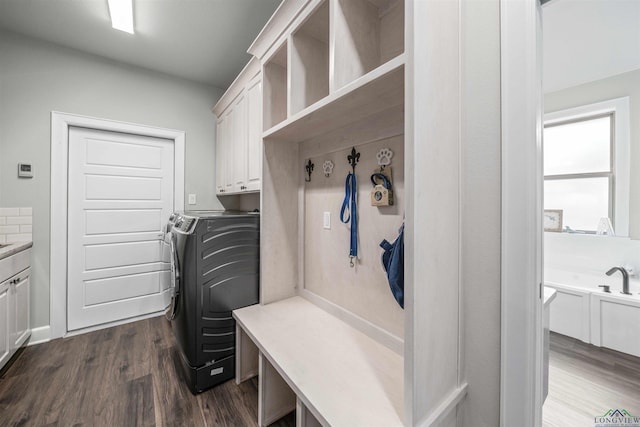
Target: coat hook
{"points": [[327, 167], [384, 157], [353, 159], [309, 168]]}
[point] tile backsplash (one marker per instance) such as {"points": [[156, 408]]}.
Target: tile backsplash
{"points": [[15, 225]]}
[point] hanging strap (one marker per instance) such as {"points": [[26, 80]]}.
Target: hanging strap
{"points": [[384, 179], [349, 212]]}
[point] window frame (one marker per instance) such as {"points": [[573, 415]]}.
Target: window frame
{"points": [[618, 174]]}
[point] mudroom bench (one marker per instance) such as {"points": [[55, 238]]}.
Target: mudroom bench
{"points": [[308, 360]]}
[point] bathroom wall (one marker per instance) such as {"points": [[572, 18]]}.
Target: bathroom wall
{"points": [[590, 255], [363, 289], [38, 77], [626, 84]]}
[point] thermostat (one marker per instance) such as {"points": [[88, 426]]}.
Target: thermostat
{"points": [[24, 170]]}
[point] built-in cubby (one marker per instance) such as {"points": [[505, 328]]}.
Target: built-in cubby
{"points": [[275, 88], [338, 77], [345, 61], [367, 33], [310, 60]]}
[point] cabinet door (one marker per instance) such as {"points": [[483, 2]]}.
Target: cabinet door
{"points": [[5, 341], [229, 148], [239, 143], [21, 311], [220, 157], [254, 135]]}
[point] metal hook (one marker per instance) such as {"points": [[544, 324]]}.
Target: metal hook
{"points": [[353, 159], [309, 168], [351, 263]]}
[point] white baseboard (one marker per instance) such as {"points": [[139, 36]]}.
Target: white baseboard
{"points": [[43, 334], [111, 324], [379, 334], [40, 335]]}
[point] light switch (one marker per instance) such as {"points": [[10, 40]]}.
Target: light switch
{"points": [[327, 220], [192, 199]]}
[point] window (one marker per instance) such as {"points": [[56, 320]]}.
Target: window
{"points": [[586, 171]]}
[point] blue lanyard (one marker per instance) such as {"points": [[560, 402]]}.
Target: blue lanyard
{"points": [[350, 207]]}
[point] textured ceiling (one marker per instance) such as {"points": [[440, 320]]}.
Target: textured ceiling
{"points": [[200, 40]]}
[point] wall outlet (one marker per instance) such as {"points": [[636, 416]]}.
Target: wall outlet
{"points": [[192, 199], [326, 223]]}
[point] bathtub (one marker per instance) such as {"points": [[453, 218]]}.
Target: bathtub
{"points": [[584, 311]]}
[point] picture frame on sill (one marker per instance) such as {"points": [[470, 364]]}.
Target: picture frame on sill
{"points": [[552, 220]]}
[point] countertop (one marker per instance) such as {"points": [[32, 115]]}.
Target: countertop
{"points": [[549, 295], [14, 248]]}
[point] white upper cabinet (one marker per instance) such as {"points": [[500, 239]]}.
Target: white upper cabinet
{"points": [[239, 142], [221, 138], [254, 134], [239, 134]]}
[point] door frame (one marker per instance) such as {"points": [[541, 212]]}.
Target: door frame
{"points": [[522, 236], [60, 123]]}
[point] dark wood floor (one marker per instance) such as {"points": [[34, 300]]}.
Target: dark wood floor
{"points": [[121, 376], [586, 381]]}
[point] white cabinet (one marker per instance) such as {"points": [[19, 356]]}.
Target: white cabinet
{"points": [[615, 322], [221, 167], [5, 347], [238, 140], [20, 309], [239, 134], [225, 178], [14, 303], [254, 135]]}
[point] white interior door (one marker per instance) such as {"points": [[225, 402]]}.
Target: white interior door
{"points": [[120, 195]]}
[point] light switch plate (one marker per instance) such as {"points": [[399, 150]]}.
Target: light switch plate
{"points": [[192, 199], [327, 221]]}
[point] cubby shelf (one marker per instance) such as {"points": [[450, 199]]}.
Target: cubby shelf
{"points": [[376, 91], [366, 34]]}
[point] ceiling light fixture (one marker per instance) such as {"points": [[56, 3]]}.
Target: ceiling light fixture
{"points": [[121, 15]]}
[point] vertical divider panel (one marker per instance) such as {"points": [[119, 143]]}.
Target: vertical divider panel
{"points": [[247, 355], [279, 234], [289, 75], [304, 417], [275, 397]]}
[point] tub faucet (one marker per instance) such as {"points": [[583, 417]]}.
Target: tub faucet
{"points": [[625, 278]]}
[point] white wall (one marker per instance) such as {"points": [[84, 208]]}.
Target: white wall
{"points": [[626, 84], [575, 258], [364, 289], [37, 77], [589, 40]]}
